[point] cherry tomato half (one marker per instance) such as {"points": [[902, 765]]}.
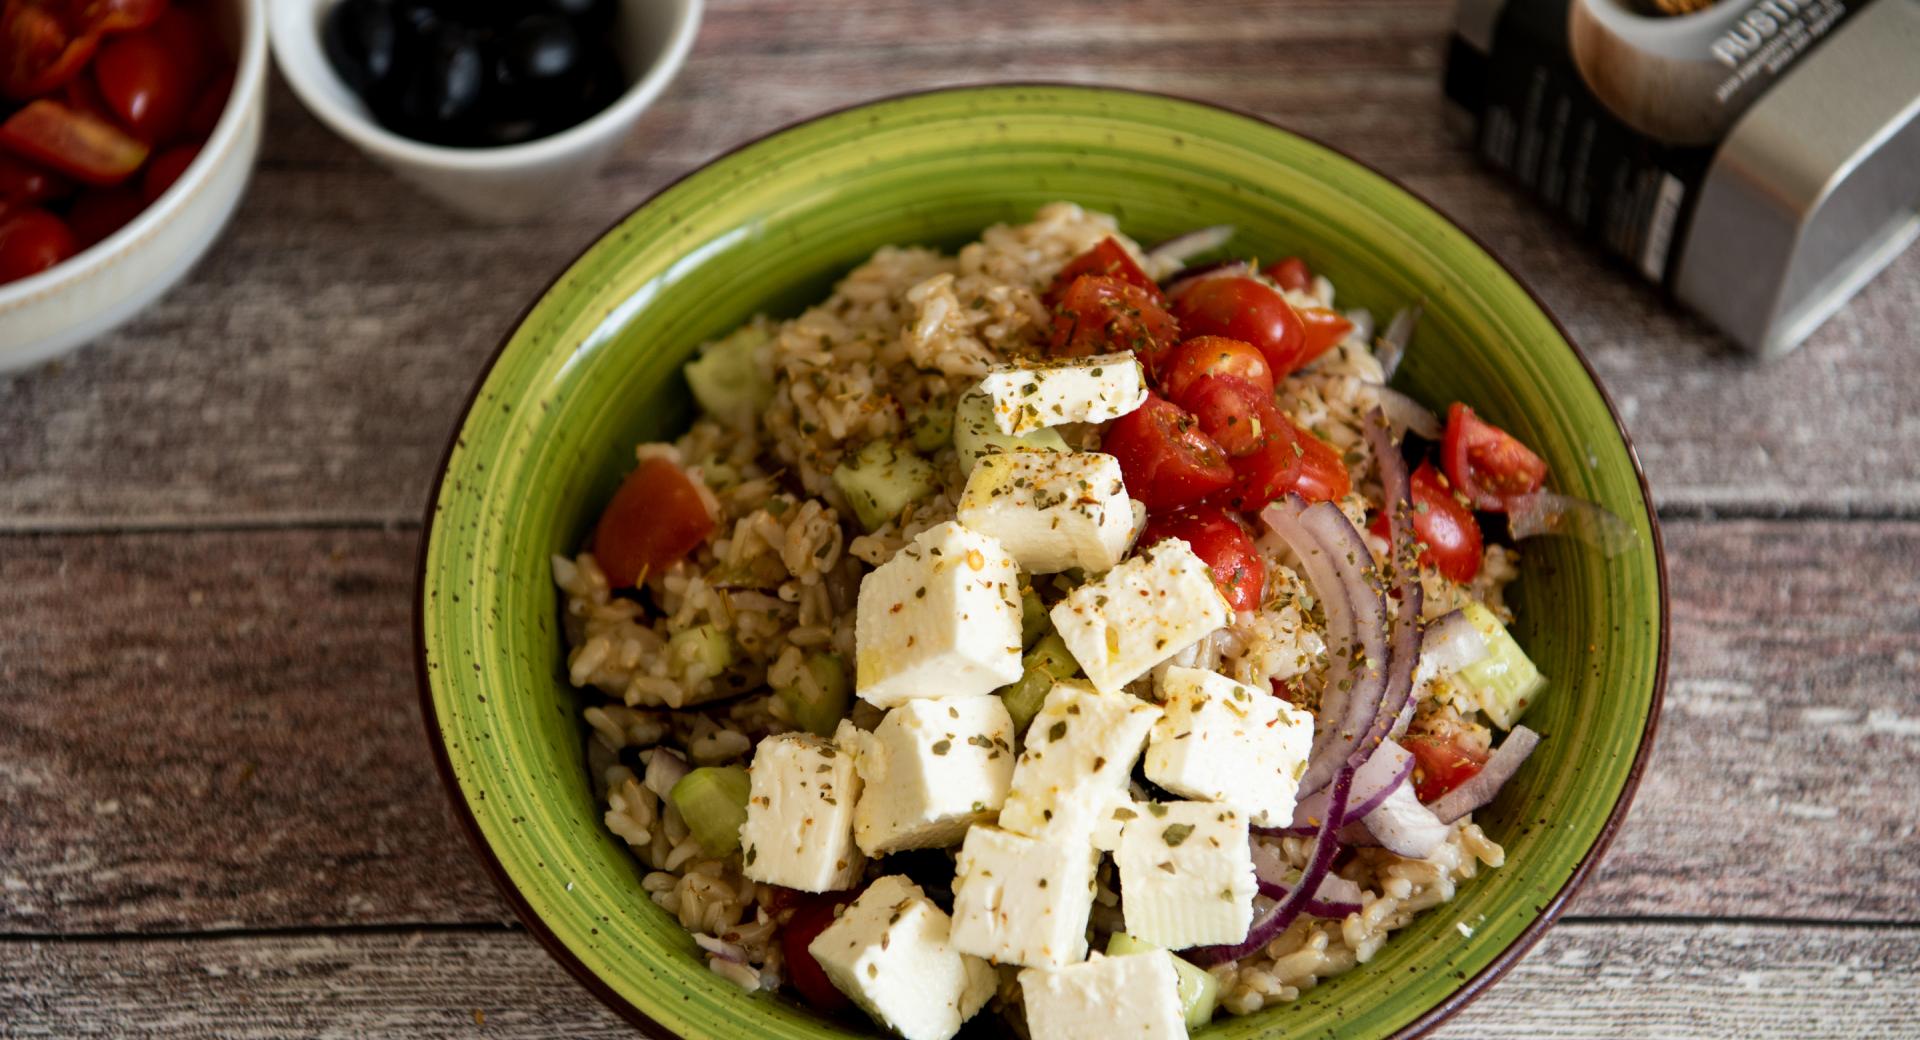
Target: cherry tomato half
{"points": [[1164, 457], [1292, 274], [811, 916], [82, 146], [1441, 763], [32, 240], [165, 169], [1488, 464], [1270, 454], [1108, 258], [1321, 331], [655, 518], [1448, 533], [1099, 314], [1245, 309], [24, 184], [1220, 539], [1205, 356], [148, 78]]}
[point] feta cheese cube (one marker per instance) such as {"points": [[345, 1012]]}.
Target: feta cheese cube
{"points": [[1032, 395], [890, 953], [1186, 874], [1073, 771], [930, 770], [1020, 900], [1139, 614], [799, 829], [940, 619], [1134, 996], [1222, 741], [1051, 510]]}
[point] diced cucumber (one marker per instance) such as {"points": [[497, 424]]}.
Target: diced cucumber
{"points": [[932, 426], [713, 801], [1199, 990], [705, 646], [1049, 660], [1033, 616], [728, 380], [1505, 681], [819, 700], [881, 480], [974, 433]]}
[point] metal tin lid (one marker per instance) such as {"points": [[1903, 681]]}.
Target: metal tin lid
{"points": [[1815, 189]]}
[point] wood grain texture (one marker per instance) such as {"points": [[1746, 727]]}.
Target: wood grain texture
{"points": [[314, 364], [1585, 980], [219, 729]]}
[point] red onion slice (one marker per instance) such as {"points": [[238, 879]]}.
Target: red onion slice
{"points": [[1408, 415], [1388, 768], [1391, 347], [1335, 898], [1403, 569], [1544, 512], [1484, 785], [1404, 827], [1340, 566], [1282, 913], [1180, 248], [1449, 644]]}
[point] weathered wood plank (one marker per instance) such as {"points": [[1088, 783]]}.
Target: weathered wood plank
{"points": [[313, 365], [1598, 980], [218, 729]]}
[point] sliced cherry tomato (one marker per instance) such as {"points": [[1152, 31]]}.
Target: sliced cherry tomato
{"points": [[1449, 535], [1270, 454], [1205, 356], [207, 109], [99, 212], [82, 94], [1441, 763], [810, 917], [1488, 464], [150, 78], [1234, 412], [74, 143], [1245, 309], [1164, 457], [1099, 314], [24, 184], [1219, 538], [655, 518], [39, 49], [32, 240], [1292, 274], [112, 16], [1109, 258], [165, 169], [1321, 330]]}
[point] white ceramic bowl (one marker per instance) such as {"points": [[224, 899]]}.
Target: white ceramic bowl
{"points": [[67, 305], [491, 184]]}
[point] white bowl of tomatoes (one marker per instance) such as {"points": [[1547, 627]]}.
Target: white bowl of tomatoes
{"points": [[128, 129]]}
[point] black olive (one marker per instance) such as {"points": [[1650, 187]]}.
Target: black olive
{"points": [[590, 15], [539, 53], [361, 38], [441, 89]]}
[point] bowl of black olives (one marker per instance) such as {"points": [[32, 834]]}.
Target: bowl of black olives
{"points": [[495, 107]]}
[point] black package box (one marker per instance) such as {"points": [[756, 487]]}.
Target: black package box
{"points": [[1757, 159]]}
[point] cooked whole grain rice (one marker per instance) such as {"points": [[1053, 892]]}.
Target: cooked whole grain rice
{"points": [[906, 330]]}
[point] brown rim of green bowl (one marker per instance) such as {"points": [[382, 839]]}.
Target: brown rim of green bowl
{"points": [[1429, 1019]]}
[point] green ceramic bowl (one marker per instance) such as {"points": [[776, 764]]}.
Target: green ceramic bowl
{"points": [[593, 368]]}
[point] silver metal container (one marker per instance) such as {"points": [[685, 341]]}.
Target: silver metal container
{"points": [[1758, 159]]}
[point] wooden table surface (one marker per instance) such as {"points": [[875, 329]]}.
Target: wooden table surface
{"points": [[218, 816]]}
